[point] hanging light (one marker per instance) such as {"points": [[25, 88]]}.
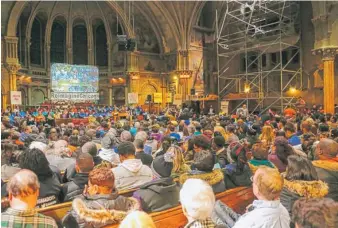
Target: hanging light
{"points": [[292, 90], [246, 88]]}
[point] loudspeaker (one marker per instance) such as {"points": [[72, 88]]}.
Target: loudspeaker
{"points": [[192, 92], [149, 98]]}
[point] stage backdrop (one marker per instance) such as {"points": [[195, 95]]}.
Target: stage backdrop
{"points": [[74, 82]]}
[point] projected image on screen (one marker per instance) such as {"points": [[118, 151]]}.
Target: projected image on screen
{"points": [[74, 78]]}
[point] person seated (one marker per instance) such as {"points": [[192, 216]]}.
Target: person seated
{"points": [[202, 168], [174, 153], [149, 147], [197, 199], [267, 137], [315, 213], [84, 164], [301, 180], [130, 173], [73, 142], [217, 145], [36, 161], [291, 135], [100, 204], [266, 211], [280, 152], [9, 160], [23, 190], [238, 172], [137, 219], [59, 155], [145, 158], [326, 165], [188, 148], [260, 157], [107, 153], [162, 193]]}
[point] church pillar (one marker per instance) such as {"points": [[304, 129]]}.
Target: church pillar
{"points": [[110, 96], [69, 43], [29, 95], [328, 56], [109, 57], [47, 57]]}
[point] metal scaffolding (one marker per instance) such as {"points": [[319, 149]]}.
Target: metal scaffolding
{"points": [[258, 53]]}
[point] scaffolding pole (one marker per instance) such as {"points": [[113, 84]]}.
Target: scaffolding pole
{"points": [[250, 32]]}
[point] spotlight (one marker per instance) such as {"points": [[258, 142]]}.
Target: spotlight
{"points": [[293, 90]]}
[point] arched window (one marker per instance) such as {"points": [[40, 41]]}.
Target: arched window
{"points": [[80, 45], [101, 51], [21, 34], [36, 43], [58, 42]]}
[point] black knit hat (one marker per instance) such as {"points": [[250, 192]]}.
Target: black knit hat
{"points": [[161, 168], [219, 141]]}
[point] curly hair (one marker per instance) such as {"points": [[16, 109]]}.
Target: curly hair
{"points": [[102, 177], [315, 213], [36, 161]]}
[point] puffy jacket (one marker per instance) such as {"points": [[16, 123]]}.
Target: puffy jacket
{"points": [[73, 188], [145, 158], [158, 195], [327, 171], [99, 210], [214, 178], [293, 190], [266, 214], [234, 178]]}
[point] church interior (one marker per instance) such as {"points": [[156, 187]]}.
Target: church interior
{"points": [[264, 53]]}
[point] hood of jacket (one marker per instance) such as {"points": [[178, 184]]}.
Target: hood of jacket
{"points": [[211, 178], [103, 215], [161, 186], [109, 155], [133, 165], [331, 165], [309, 189]]}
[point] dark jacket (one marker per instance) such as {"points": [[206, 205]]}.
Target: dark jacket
{"points": [[70, 170], [214, 178], [327, 171], [221, 158], [73, 188], [234, 178], [99, 210], [145, 158], [293, 190], [158, 195]]}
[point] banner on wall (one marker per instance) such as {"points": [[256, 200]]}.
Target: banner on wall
{"points": [[75, 96], [225, 107], [178, 99], [16, 98], [157, 97], [132, 98], [169, 97]]}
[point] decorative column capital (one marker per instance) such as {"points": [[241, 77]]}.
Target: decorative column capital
{"points": [[183, 53], [12, 68], [327, 54]]}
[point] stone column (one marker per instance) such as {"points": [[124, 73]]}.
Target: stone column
{"points": [[328, 56], [47, 58], [109, 58], [28, 52], [110, 96], [29, 95]]}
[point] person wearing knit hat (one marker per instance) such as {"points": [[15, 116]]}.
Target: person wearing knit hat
{"points": [[107, 152], [162, 193], [221, 154]]}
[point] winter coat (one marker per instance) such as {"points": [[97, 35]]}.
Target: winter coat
{"points": [[327, 171], [99, 210], [277, 162], [60, 162], [214, 178], [131, 174], [145, 158], [269, 214], [293, 190], [234, 178], [74, 188], [221, 158], [158, 195]]}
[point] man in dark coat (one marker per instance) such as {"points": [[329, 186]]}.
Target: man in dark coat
{"points": [[84, 164], [220, 152], [326, 165], [140, 154], [162, 193]]}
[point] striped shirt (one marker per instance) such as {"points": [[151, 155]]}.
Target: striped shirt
{"points": [[28, 218]]}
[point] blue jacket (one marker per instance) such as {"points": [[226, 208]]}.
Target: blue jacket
{"points": [[294, 140], [266, 214]]}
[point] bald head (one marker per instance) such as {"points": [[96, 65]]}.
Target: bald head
{"points": [[23, 184], [328, 148]]}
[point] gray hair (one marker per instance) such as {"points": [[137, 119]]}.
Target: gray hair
{"points": [[141, 135]]}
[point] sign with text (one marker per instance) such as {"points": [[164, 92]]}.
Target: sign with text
{"points": [[75, 96], [225, 107], [178, 99], [132, 98], [16, 97], [157, 97]]}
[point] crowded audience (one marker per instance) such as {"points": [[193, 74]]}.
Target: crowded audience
{"points": [[162, 161]]}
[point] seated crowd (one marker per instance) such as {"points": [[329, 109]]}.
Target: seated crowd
{"points": [[291, 164]]}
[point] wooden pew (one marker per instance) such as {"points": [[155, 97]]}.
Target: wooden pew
{"points": [[238, 199]]}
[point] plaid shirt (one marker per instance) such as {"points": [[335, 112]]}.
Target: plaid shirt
{"points": [[201, 224], [29, 218]]}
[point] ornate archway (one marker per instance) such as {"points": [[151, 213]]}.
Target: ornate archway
{"points": [[147, 88]]}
